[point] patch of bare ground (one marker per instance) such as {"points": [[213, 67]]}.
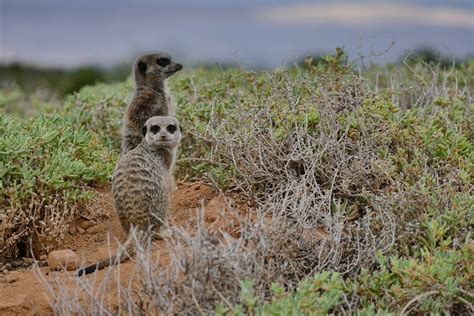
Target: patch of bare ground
{"points": [[29, 291]]}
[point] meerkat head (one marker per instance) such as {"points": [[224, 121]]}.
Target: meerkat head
{"points": [[153, 68], [162, 132]]}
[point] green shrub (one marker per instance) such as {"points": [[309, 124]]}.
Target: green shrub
{"points": [[15, 101], [46, 165], [434, 282], [100, 109], [316, 296]]}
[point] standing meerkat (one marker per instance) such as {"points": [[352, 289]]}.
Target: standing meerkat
{"points": [[142, 183], [151, 98]]}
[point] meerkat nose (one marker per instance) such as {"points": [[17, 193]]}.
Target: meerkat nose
{"points": [[179, 66], [163, 136]]}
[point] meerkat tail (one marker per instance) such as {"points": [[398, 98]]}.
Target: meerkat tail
{"points": [[126, 252]]}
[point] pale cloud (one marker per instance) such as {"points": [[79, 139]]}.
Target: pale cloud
{"points": [[367, 14]]}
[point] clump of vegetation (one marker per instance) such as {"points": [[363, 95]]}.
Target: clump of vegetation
{"points": [[46, 163], [362, 184], [13, 100], [100, 109]]}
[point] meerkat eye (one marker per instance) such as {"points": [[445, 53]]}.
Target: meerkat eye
{"points": [[154, 129], [163, 62], [142, 67], [171, 128]]}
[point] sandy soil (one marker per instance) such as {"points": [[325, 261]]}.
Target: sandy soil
{"points": [[22, 292]]}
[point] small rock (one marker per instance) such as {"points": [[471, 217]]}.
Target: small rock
{"points": [[95, 229], [7, 266], [81, 230], [100, 237], [85, 224], [5, 271], [28, 261], [12, 277], [72, 230], [60, 259], [16, 264]]}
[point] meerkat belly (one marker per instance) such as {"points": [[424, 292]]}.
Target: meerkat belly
{"points": [[141, 192]]}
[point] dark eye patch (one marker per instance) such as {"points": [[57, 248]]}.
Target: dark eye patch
{"points": [[154, 129], [163, 62], [171, 128], [142, 67]]}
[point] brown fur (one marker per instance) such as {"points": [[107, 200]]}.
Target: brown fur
{"points": [[151, 96], [142, 184]]}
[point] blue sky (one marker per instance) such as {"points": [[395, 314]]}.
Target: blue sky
{"points": [[251, 33]]}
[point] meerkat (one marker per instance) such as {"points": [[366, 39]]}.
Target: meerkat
{"points": [[142, 183], [151, 98]]}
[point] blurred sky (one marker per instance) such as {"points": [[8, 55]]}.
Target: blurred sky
{"points": [[253, 33]]}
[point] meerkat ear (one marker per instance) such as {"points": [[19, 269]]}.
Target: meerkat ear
{"points": [[144, 131], [142, 67], [181, 129]]}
